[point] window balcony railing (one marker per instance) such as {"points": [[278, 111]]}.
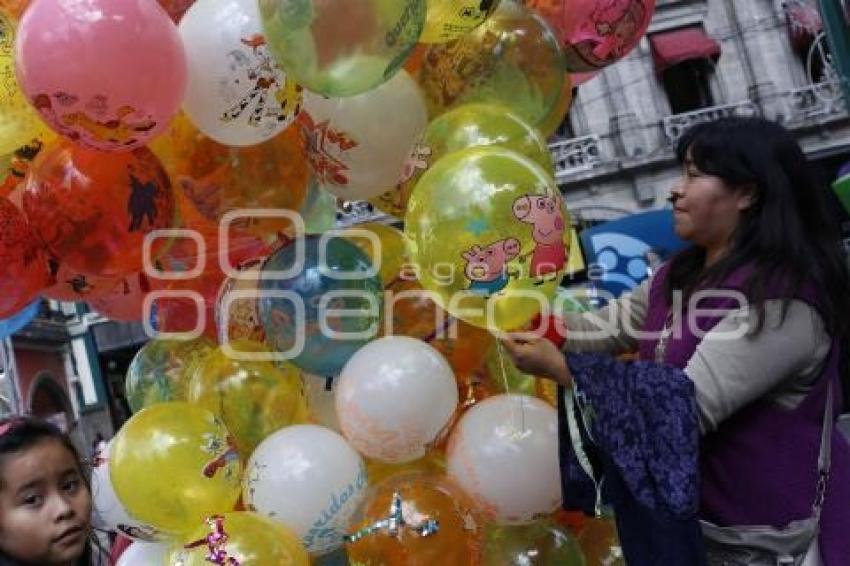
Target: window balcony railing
{"points": [[576, 155], [815, 103], [675, 126]]}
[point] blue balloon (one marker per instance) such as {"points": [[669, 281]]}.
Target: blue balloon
{"points": [[335, 306], [9, 326]]}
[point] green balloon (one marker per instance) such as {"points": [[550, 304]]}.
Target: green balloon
{"points": [[543, 543], [342, 47]]}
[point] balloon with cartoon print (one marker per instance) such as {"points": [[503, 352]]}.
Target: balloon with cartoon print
{"points": [[94, 209], [173, 465], [341, 48], [20, 124], [596, 33], [470, 125], [495, 222], [513, 59], [24, 261], [115, 77], [449, 19], [236, 94]]}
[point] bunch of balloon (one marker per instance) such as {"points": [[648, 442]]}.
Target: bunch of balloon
{"points": [[449, 19], [161, 370], [470, 125], [596, 34], [216, 179], [253, 396], [243, 539], [25, 268], [543, 543], [499, 440], [108, 513], [321, 302], [487, 230], [19, 122], [93, 209], [237, 94], [309, 479], [173, 465], [395, 399], [416, 520], [513, 58], [342, 56], [128, 76], [353, 152]]}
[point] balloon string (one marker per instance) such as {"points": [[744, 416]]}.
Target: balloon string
{"points": [[501, 352]]}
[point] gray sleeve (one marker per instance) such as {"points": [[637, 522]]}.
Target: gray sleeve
{"points": [[611, 329], [733, 367]]}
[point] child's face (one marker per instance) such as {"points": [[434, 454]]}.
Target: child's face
{"points": [[45, 505]]}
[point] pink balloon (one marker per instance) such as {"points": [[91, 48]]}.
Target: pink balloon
{"points": [[109, 74]]}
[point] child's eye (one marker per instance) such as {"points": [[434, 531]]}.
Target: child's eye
{"points": [[32, 500], [71, 486]]}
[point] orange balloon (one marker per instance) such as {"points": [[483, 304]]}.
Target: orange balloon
{"points": [[15, 166], [459, 539], [14, 8], [71, 286], [410, 312], [93, 209], [474, 387], [23, 259], [600, 543], [125, 301], [218, 179]]}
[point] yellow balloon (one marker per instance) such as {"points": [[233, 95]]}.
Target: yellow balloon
{"points": [[19, 122], [173, 465], [246, 539], [470, 125], [447, 20], [488, 233], [253, 398], [390, 248], [552, 121]]}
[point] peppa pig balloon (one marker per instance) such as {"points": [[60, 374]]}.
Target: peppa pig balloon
{"points": [[109, 74]]}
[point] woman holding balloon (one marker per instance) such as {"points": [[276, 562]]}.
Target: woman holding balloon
{"points": [[743, 380]]}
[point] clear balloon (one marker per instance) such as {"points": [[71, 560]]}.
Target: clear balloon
{"points": [[488, 231], [449, 19], [108, 513], [93, 209], [19, 122], [327, 310], [441, 525], [384, 245], [253, 398], [24, 261], [309, 479], [540, 544], [321, 400], [432, 463], [318, 210], [237, 94], [113, 78], [513, 59], [342, 47], [470, 125], [497, 442], [173, 465], [243, 539], [238, 310], [354, 152], [395, 398], [559, 112], [161, 370], [596, 34]]}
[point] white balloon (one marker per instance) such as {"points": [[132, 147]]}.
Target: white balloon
{"points": [[236, 94], [309, 479], [358, 146], [321, 400], [144, 554], [108, 513], [395, 397], [504, 453]]}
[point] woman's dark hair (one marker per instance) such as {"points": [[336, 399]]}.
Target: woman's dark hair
{"points": [[788, 236], [18, 434]]}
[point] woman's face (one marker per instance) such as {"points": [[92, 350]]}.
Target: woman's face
{"points": [[706, 210], [45, 505]]}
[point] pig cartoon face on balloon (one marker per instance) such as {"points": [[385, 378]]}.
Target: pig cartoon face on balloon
{"points": [[486, 268], [547, 219]]}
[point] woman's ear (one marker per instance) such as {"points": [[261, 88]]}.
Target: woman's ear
{"points": [[747, 197]]}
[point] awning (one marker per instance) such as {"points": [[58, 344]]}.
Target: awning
{"points": [[683, 44], [804, 22]]}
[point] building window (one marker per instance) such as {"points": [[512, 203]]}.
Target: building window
{"points": [[684, 61]]}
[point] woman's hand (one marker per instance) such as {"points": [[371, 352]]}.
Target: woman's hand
{"points": [[536, 355]]}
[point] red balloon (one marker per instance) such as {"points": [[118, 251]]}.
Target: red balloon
{"points": [[24, 261], [125, 301], [176, 8], [93, 209]]}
